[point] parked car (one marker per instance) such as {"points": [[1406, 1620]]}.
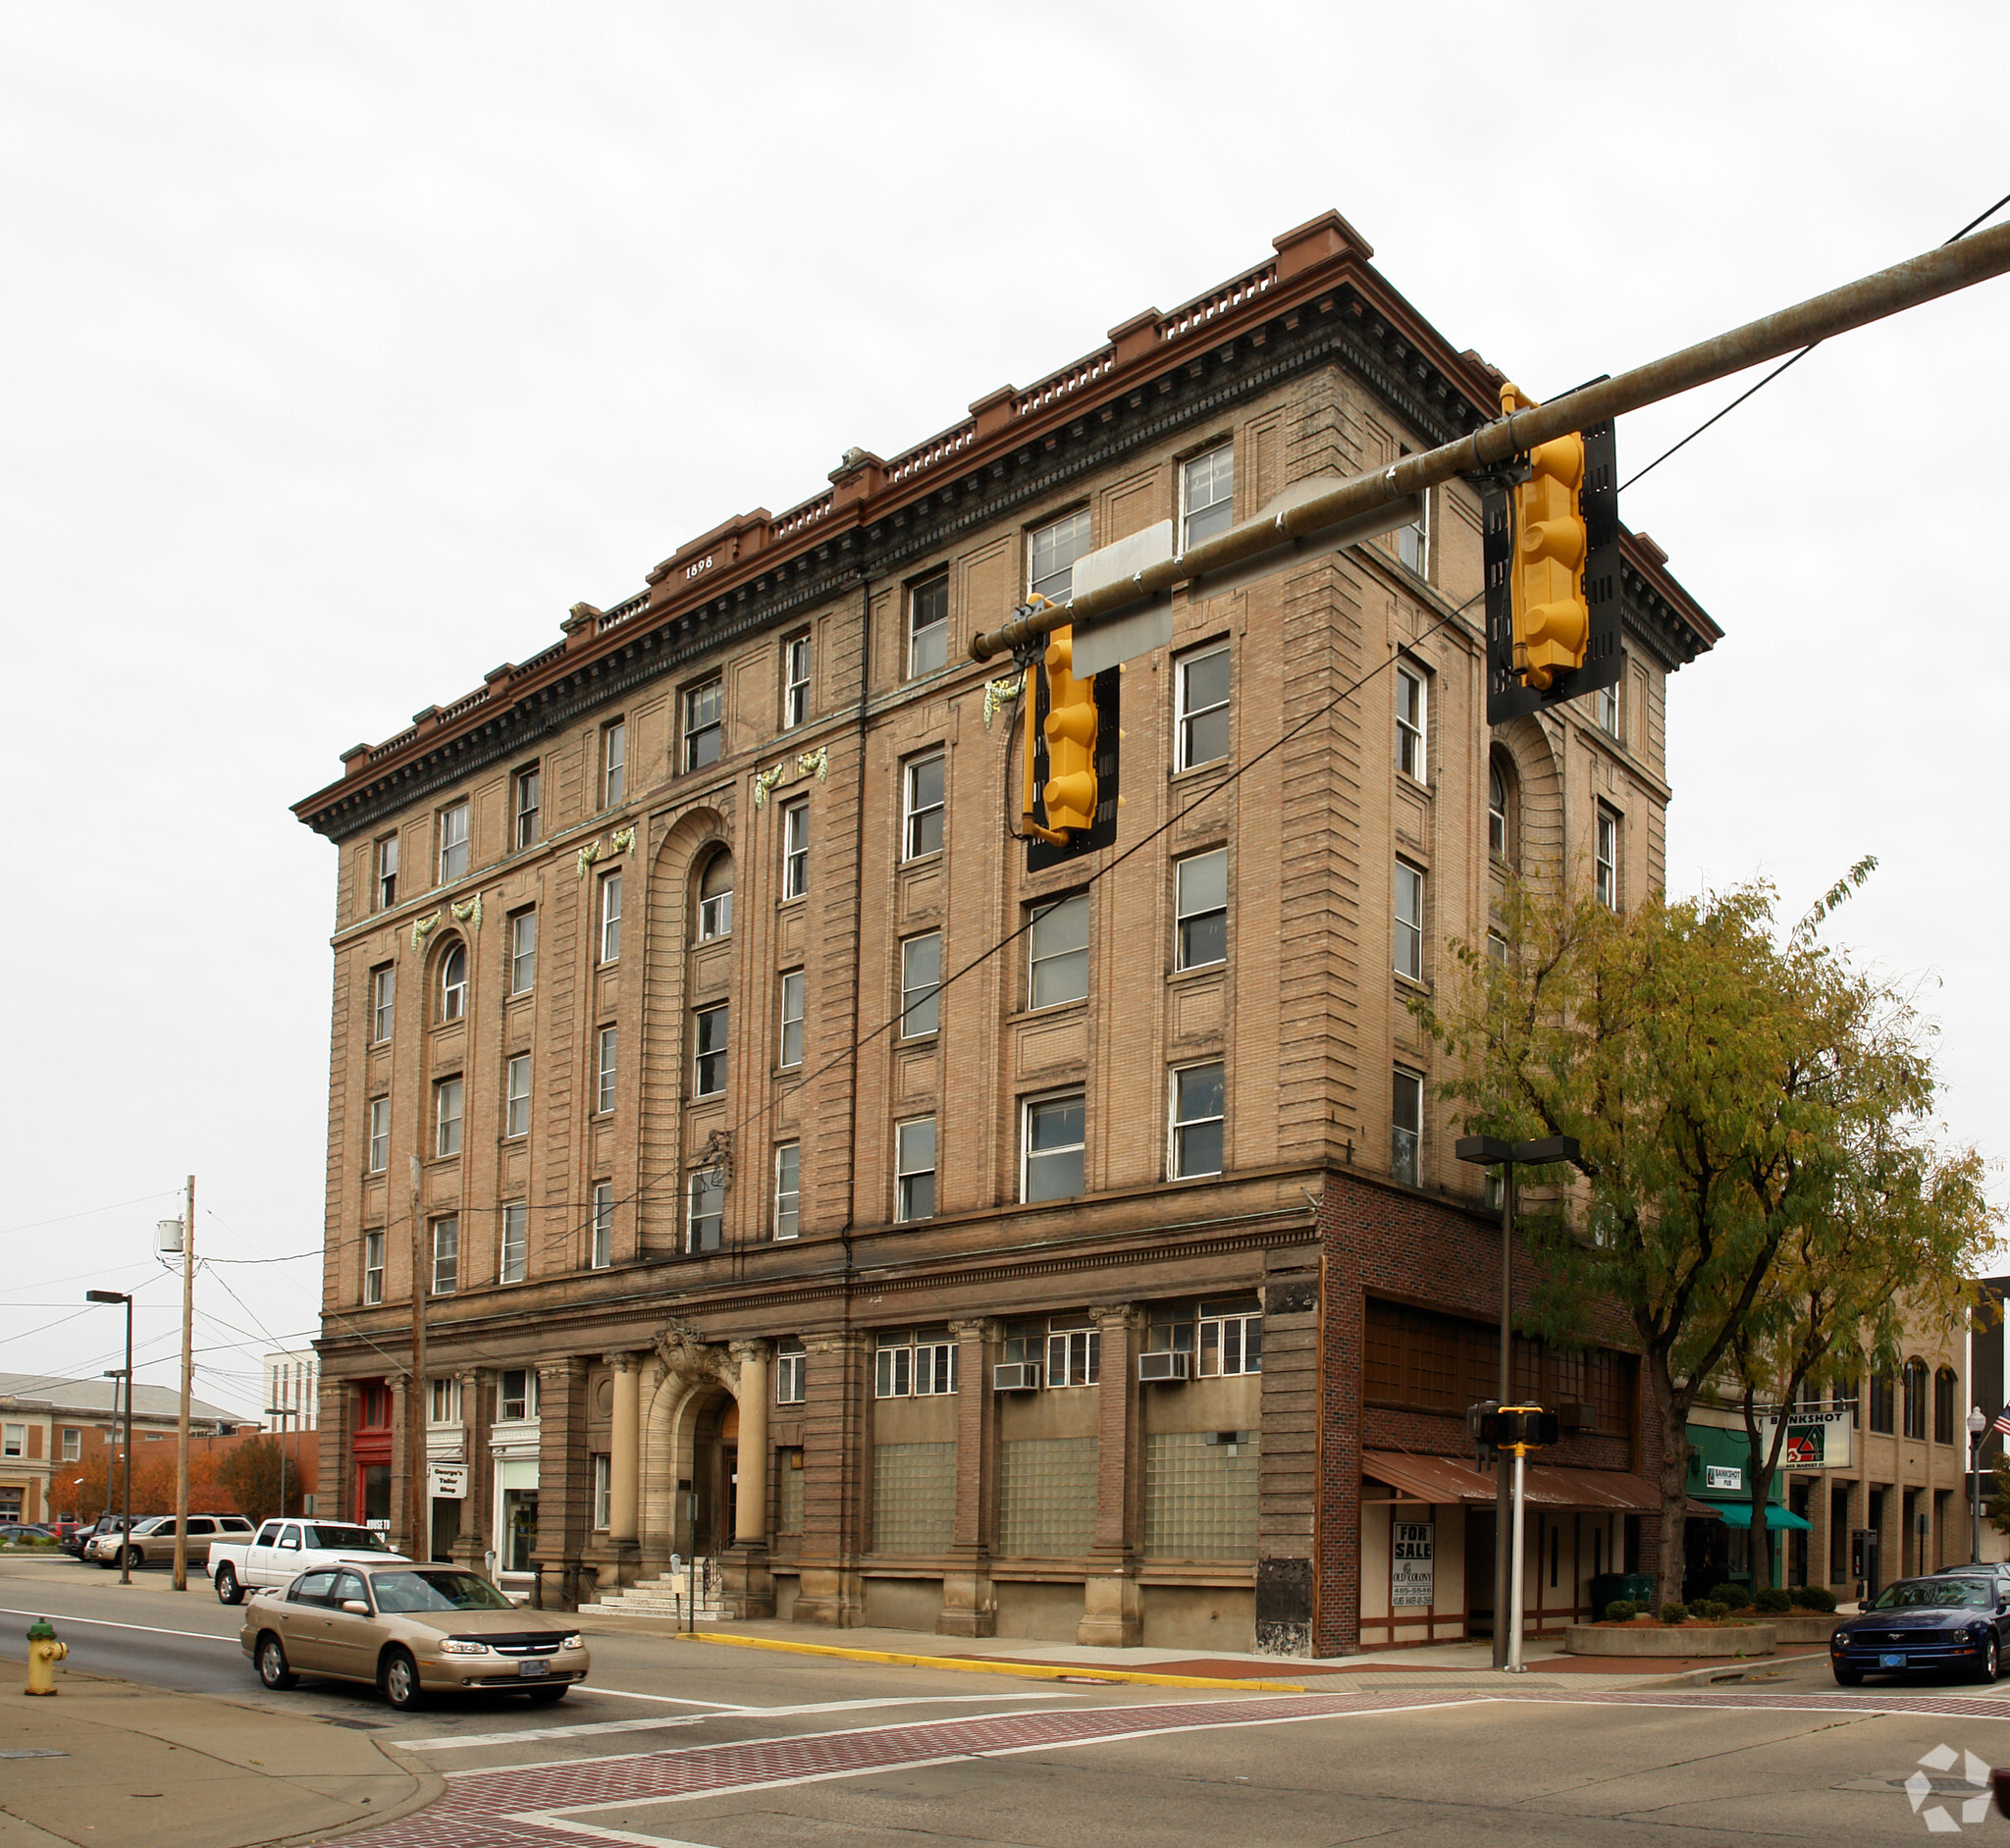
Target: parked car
{"points": [[1946, 1621], [153, 1540], [79, 1543], [104, 1546], [281, 1550], [22, 1533], [413, 1630]]}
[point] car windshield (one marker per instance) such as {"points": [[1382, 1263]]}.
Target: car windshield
{"points": [[409, 1592], [1935, 1594], [348, 1539]]}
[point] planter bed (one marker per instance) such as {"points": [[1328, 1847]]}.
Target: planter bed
{"points": [[1662, 1639]]}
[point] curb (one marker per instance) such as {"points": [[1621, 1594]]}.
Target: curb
{"points": [[982, 1665]]}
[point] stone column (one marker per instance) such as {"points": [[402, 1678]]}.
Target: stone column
{"points": [[1112, 1604], [970, 1607], [470, 1548], [406, 1521], [624, 1472], [749, 1585]]}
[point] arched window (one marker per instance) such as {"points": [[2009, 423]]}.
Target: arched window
{"points": [[716, 897], [1500, 792], [1914, 1393], [453, 984], [1945, 1386]]}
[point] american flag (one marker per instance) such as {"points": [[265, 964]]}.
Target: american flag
{"points": [[2002, 1423]]}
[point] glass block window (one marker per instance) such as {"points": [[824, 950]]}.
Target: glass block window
{"points": [[789, 1518], [1200, 1495], [913, 1497], [1046, 1497]]}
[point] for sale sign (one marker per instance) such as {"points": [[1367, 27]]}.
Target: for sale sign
{"points": [[1413, 1553]]}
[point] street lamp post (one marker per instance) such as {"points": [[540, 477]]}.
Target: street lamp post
{"points": [[126, 1535], [1490, 1152], [1978, 1425]]}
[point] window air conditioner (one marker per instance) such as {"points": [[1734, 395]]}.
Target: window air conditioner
{"points": [[1018, 1376], [1162, 1366], [1573, 1414]]}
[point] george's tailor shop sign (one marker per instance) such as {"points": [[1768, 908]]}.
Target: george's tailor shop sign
{"points": [[1412, 1561]]}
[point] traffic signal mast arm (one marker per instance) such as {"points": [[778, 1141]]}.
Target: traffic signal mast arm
{"points": [[1921, 279]]}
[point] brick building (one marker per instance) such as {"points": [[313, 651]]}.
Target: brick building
{"points": [[47, 1423], [1121, 1284]]}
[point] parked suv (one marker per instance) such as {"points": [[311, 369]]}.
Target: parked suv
{"points": [[153, 1541]]}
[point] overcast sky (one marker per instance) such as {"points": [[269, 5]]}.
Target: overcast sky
{"points": [[348, 346]]}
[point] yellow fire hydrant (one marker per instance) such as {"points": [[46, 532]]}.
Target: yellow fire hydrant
{"points": [[44, 1651]]}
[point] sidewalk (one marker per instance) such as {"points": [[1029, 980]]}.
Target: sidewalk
{"points": [[109, 1763]]}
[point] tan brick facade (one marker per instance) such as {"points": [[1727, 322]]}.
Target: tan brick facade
{"points": [[1309, 364]]}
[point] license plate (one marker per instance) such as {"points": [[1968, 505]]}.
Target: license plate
{"points": [[1890, 1660], [530, 1670]]}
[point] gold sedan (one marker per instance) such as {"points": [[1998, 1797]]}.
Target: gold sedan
{"points": [[413, 1630]]}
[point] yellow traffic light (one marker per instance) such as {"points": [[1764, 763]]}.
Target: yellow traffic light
{"points": [[1071, 731], [1545, 575]]}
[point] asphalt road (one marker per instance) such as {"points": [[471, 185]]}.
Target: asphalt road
{"points": [[676, 1744]]}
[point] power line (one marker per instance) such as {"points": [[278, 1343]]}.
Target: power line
{"points": [[88, 1212]]}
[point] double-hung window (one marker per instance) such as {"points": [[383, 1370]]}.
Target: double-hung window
{"points": [[606, 1050], [523, 952], [791, 1018], [795, 850], [705, 1230], [922, 804], [788, 1189], [703, 724], [1198, 1120], [373, 1268], [602, 1492], [530, 785], [1201, 719], [1407, 1127], [1409, 921], [380, 1135], [611, 917], [1053, 1140], [446, 1254], [453, 842], [928, 627], [517, 1394], [454, 983], [1200, 907], [1224, 1338], [915, 1169], [921, 980], [1606, 872], [515, 1245], [72, 1444], [708, 1050], [1497, 810], [1058, 956], [795, 681], [602, 1254], [446, 1104], [1410, 690], [383, 1000], [1413, 540], [1050, 554], [1207, 494], [613, 763], [1075, 1351], [790, 1365], [516, 1095], [387, 873], [913, 1362], [715, 898], [1607, 707]]}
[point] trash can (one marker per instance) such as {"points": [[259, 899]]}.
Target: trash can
{"points": [[1609, 1587]]}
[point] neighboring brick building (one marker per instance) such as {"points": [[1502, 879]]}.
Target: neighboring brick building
{"points": [[46, 1423], [636, 949]]}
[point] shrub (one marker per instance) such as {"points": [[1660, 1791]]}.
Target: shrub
{"points": [[1675, 1614], [1772, 1601], [1812, 1597], [1621, 1610], [1736, 1596], [1710, 1611]]}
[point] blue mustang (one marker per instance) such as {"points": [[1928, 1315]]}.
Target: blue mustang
{"points": [[1940, 1622]]}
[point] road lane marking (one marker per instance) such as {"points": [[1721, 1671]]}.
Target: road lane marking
{"points": [[106, 1623]]}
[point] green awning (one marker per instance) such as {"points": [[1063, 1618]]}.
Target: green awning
{"points": [[1740, 1514]]}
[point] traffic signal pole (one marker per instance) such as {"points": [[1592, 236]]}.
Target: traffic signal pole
{"points": [[1921, 279]]}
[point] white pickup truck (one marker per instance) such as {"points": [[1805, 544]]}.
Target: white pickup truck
{"points": [[281, 1550]]}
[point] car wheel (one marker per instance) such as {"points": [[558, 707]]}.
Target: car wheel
{"points": [[545, 1697], [1848, 1677], [1991, 1666], [132, 1560], [397, 1679], [228, 1590], [272, 1664]]}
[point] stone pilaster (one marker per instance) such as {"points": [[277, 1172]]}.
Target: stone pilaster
{"points": [[831, 1587], [476, 1521], [1112, 1602], [624, 1466], [564, 1484], [749, 1584], [970, 1606]]}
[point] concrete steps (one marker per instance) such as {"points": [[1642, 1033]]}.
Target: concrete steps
{"points": [[669, 1596]]}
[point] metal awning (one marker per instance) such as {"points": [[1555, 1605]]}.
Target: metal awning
{"points": [[1443, 1480]]}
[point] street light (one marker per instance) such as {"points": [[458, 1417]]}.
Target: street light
{"points": [[1977, 1425], [126, 1534], [1490, 1152]]}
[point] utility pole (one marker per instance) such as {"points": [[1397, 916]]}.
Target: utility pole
{"points": [[415, 1391], [188, 1382]]}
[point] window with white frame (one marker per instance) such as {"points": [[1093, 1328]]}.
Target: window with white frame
{"points": [[1052, 1142], [1075, 1351], [914, 1363], [1411, 693], [715, 898], [386, 872], [602, 1492], [1057, 955], [791, 1052], [1207, 495], [530, 790], [1607, 707], [795, 681], [795, 850], [922, 804], [373, 1268], [1224, 1338], [611, 917], [1200, 910], [601, 1253], [788, 1189], [517, 1394], [1407, 1131], [380, 1135], [13, 1439], [607, 1057], [920, 979], [791, 1364], [382, 1003], [1196, 1135], [1050, 554], [1409, 921], [453, 842], [72, 1444], [446, 1099], [446, 1254], [1496, 949], [703, 724], [928, 627], [1606, 872], [914, 1164], [705, 1227], [1413, 540], [515, 1241], [1497, 809], [1200, 716], [454, 983], [517, 1094], [709, 1027], [613, 763], [523, 952]]}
